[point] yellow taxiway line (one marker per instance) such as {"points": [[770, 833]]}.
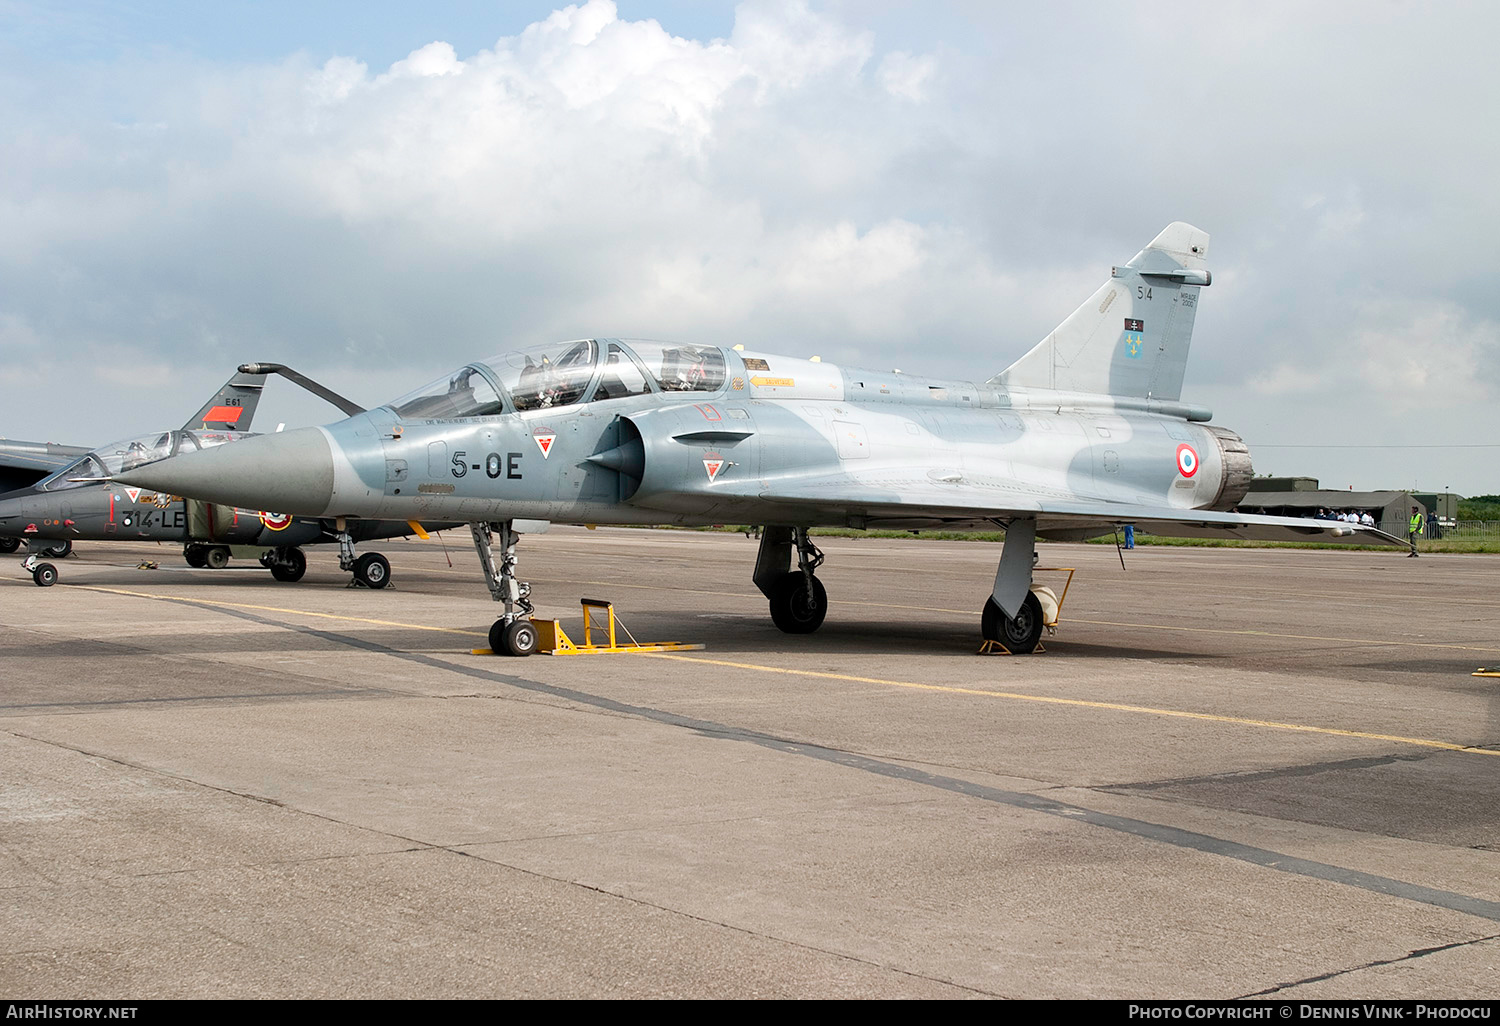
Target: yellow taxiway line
{"points": [[277, 609], [1086, 704]]}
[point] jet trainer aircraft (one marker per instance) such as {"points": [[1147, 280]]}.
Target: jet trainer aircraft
{"points": [[1084, 433], [24, 465], [79, 501]]}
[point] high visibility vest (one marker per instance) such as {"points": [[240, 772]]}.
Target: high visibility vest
{"points": [[1416, 523]]}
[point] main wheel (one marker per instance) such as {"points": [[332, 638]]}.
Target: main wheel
{"points": [[9, 544], [59, 550], [372, 570], [195, 554], [1020, 634], [792, 609], [45, 575], [288, 565], [517, 638], [217, 557]]}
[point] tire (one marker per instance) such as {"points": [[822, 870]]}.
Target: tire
{"points": [[790, 608], [216, 557], [196, 556], [45, 575], [372, 570], [288, 565], [1019, 635], [520, 638], [61, 550], [517, 638], [9, 544]]}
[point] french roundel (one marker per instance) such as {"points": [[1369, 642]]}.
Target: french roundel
{"points": [[276, 521], [1187, 460]]}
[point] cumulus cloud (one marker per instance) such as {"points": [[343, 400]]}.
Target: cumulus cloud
{"points": [[933, 195]]}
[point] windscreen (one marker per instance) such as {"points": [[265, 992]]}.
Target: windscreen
{"points": [[467, 392], [119, 457]]}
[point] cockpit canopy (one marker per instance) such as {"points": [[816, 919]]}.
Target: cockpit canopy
{"points": [[127, 454], [564, 374]]}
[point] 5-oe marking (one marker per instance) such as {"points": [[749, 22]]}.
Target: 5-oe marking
{"points": [[493, 465]]}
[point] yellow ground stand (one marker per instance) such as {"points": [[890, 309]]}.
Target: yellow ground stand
{"points": [[553, 640]]}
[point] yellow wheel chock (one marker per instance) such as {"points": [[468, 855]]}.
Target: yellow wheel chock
{"points": [[553, 640]]}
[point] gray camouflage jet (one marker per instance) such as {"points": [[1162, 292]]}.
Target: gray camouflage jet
{"points": [[1084, 433], [79, 501]]}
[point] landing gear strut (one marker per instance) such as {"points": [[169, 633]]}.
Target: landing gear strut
{"points": [[44, 575], [512, 634], [1012, 614], [372, 570], [798, 599]]}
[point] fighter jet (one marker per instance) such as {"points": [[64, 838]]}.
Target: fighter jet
{"points": [[24, 465], [79, 501], [1084, 433]]}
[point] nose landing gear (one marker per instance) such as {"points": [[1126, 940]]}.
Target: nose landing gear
{"points": [[513, 634], [372, 570]]}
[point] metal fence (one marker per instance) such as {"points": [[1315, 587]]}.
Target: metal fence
{"points": [[1456, 530], [1472, 530]]}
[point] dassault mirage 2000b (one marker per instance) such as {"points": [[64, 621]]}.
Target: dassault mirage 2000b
{"points": [[1083, 433]]}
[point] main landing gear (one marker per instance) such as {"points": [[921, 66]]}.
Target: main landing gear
{"points": [[798, 599], [286, 563], [215, 557], [1012, 615], [372, 570], [513, 634]]}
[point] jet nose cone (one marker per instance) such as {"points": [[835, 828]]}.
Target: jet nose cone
{"points": [[284, 473]]}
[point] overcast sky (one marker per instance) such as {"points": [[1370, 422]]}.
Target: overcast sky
{"points": [[373, 193]]}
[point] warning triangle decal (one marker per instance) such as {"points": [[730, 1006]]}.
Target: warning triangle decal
{"points": [[544, 443], [134, 493], [713, 467]]}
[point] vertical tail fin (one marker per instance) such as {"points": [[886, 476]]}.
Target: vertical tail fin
{"points": [[233, 407], [1132, 336]]}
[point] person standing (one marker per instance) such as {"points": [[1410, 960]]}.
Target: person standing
{"points": [[1130, 536], [1414, 530]]}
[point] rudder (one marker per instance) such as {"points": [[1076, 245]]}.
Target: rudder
{"points": [[233, 407], [1131, 338]]}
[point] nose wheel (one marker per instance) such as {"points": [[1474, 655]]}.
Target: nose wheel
{"points": [[516, 638], [44, 575], [372, 570]]}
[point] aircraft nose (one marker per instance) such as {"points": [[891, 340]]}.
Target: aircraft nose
{"points": [[291, 472]]}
